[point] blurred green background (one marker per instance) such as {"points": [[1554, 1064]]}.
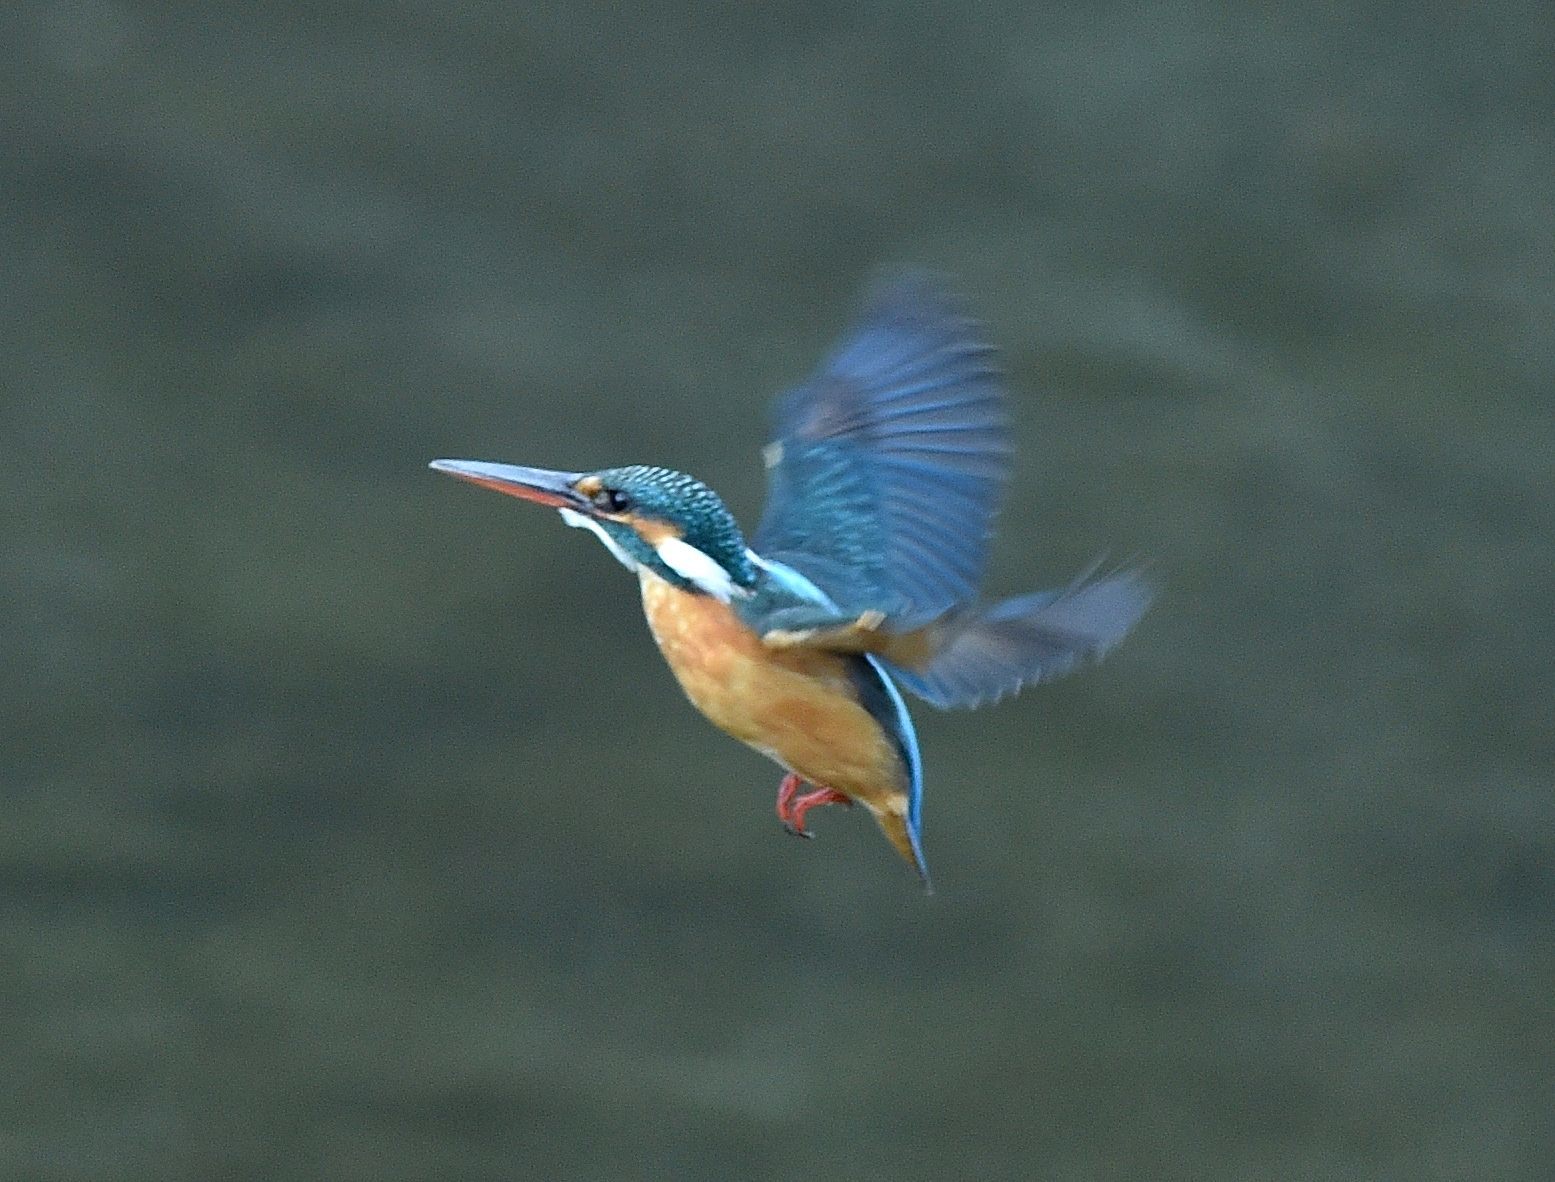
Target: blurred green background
{"points": [[352, 827]]}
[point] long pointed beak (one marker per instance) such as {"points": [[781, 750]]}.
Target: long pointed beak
{"points": [[540, 485]]}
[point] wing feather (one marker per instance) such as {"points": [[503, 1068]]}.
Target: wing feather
{"points": [[890, 463], [998, 649]]}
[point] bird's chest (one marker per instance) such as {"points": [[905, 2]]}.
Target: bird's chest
{"points": [[722, 665], [797, 706]]}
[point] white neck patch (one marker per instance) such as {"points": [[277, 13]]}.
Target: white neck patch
{"points": [[697, 569], [578, 521]]}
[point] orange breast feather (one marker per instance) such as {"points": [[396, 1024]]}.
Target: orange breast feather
{"points": [[796, 705]]}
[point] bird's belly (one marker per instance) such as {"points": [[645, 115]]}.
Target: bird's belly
{"points": [[796, 706]]}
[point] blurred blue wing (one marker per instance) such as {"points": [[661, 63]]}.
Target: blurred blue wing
{"points": [[886, 468], [1027, 639]]}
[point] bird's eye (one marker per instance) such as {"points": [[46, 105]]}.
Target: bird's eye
{"points": [[611, 500]]}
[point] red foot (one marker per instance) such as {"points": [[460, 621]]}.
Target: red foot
{"points": [[791, 808], [809, 801], [785, 798]]}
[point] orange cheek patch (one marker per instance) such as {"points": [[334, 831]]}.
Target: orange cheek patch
{"points": [[653, 532]]}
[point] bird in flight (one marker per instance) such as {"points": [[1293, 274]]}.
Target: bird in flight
{"points": [[885, 471]]}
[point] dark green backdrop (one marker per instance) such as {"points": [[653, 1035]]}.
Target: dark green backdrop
{"points": [[352, 828]]}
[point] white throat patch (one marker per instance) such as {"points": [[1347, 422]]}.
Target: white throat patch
{"points": [[575, 519], [697, 569]]}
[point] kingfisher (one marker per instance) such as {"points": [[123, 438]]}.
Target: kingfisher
{"points": [[885, 471]]}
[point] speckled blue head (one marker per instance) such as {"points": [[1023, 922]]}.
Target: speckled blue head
{"points": [[654, 518]]}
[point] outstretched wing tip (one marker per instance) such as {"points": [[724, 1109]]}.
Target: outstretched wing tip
{"points": [[1031, 639]]}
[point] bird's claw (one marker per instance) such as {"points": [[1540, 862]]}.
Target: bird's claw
{"points": [[792, 807]]}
